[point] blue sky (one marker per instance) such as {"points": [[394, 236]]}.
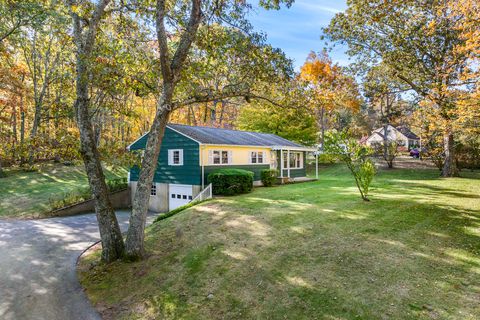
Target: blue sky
{"points": [[297, 30]]}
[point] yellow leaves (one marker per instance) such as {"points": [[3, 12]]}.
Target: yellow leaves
{"points": [[331, 86], [75, 8]]}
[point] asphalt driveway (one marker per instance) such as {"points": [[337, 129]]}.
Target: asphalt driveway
{"points": [[37, 267]]}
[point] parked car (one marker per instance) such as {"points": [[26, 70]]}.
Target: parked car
{"points": [[415, 153]]}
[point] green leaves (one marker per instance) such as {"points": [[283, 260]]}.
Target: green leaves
{"points": [[355, 155]]}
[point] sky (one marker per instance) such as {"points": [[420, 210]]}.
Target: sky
{"points": [[297, 30]]}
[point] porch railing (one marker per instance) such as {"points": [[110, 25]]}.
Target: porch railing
{"points": [[204, 194]]}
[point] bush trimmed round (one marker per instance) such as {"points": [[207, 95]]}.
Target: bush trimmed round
{"points": [[230, 182], [269, 177]]}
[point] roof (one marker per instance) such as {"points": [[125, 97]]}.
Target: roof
{"points": [[407, 133], [218, 136]]}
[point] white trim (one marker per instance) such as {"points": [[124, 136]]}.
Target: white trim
{"points": [[288, 163], [131, 144], [281, 163], [257, 157], [183, 134], [275, 148], [211, 158], [307, 149], [170, 157]]}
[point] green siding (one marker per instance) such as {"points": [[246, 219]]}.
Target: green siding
{"points": [[189, 173], [256, 169], [295, 173]]}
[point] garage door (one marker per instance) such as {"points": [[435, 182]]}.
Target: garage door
{"points": [[179, 195]]}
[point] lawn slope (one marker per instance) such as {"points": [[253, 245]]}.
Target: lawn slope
{"points": [[27, 194], [308, 251]]}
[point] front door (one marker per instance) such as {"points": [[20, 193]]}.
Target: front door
{"points": [[179, 195]]}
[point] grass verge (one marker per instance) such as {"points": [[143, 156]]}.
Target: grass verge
{"points": [[308, 251], [30, 194]]}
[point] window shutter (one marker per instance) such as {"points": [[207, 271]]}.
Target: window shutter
{"points": [[180, 155], [229, 157], [170, 157], [210, 157]]}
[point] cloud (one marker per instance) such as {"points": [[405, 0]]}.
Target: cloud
{"points": [[317, 7]]}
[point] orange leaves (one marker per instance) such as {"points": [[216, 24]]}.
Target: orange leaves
{"points": [[332, 87]]}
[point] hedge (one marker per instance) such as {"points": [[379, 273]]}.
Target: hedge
{"points": [[268, 177], [231, 181]]}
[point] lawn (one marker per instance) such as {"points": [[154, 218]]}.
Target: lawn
{"points": [[28, 194], [308, 251]]}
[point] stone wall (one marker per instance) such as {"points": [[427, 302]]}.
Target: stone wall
{"points": [[120, 200]]}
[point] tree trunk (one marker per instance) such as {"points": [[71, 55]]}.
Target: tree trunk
{"points": [[449, 165], [134, 245], [386, 156], [110, 234], [33, 132], [22, 136]]}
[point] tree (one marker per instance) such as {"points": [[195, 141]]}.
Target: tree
{"points": [[290, 122], [417, 40], [85, 29], [330, 89], [344, 148], [173, 59], [17, 14], [42, 49], [384, 96]]}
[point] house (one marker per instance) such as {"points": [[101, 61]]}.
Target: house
{"points": [[402, 134], [189, 154]]}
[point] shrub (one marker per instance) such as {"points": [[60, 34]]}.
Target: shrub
{"points": [[355, 156], [231, 181], [117, 184], [30, 168], [268, 177]]}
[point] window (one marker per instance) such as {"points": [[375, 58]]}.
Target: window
{"points": [[256, 157], [153, 190], [220, 157], [175, 157], [296, 160]]}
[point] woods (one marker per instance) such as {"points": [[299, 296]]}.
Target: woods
{"points": [[80, 80]]}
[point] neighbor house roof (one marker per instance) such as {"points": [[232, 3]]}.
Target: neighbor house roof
{"points": [[407, 133], [218, 136]]}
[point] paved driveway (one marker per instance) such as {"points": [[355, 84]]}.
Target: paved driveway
{"points": [[37, 267]]}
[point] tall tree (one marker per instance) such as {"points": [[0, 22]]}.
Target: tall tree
{"points": [[86, 22], [418, 40], [330, 89], [173, 60], [383, 93]]}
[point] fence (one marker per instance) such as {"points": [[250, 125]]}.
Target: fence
{"points": [[204, 194]]}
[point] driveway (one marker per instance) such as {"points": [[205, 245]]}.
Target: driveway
{"points": [[37, 267]]}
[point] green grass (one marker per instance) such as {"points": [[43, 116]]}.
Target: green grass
{"points": [[27, 194], [308, 251]]}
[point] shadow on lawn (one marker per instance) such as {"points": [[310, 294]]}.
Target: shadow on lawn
{"points": [[404, 259]]}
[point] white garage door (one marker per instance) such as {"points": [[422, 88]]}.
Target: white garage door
{"points": [[179, 195]]}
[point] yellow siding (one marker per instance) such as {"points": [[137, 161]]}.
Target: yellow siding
{"points": [[240, 154]]}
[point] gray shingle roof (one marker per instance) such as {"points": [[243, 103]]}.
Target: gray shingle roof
{"points": [[407, 133], [207, 135]]}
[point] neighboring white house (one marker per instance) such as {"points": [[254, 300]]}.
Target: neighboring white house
{"points": [[403, 135]]}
